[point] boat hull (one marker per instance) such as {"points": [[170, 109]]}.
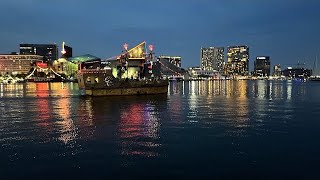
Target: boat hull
{"points": [[127, 91], [102, 83]]}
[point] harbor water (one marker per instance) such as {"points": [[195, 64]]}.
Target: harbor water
{"points": [[223, 129]]}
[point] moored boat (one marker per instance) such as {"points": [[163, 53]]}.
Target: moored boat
{"points": [[131, 73], [102, 83]]}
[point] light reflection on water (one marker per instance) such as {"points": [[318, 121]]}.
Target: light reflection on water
{"points": [[50, 121], [139, 130]]}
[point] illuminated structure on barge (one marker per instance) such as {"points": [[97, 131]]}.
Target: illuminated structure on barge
{"points": [[133, 72]]}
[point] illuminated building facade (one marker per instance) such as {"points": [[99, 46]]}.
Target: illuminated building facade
{"points": [[238, 61], [18, 64], [171, 66], [49, 52], [262, 66], [175, 60], [130, 63], [297, 72], [212, 58], [277, 70], [199, 73]]}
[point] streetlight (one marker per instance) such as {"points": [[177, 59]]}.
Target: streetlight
{"points": [[125, 46]]}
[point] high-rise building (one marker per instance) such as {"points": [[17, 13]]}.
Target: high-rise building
{"points": [[48, 51], [262, 66], [212, 58], [238, 61]]}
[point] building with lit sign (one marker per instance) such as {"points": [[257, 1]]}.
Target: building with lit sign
{"points": [[18, 64], [262, 66], [238, 61], [212, 59], [49, 52]]}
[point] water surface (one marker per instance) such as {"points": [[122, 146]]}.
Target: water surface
{"points": [[223, 129]]}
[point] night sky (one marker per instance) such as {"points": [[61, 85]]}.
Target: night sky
{"points": [[286, 30]]}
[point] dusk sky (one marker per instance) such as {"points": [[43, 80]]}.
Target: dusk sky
{"points": [[286, 30]]}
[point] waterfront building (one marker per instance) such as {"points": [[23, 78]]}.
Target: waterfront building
{"points": [[91, 62], [18, 64], [238, 61], [277, 70], [212, 59], [170, 67], [175, 60], [49, 52], [199, 73], [262, 66], [297, 73]]}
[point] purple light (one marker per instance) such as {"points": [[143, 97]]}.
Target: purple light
{"points": [[125, 46], [151, 47]]}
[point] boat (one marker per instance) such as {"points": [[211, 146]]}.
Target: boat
{"points": [[113, 78], [103, 83]]}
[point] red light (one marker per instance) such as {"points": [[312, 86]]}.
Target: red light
{"points": [[42, 65]]}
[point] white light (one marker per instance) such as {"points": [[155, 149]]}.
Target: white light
{"points": [[63, 50]]}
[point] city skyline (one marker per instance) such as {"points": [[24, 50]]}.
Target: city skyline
{"points": [[275, 29]]}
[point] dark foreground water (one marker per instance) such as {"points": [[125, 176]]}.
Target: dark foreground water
{"points": [[226, 129]]}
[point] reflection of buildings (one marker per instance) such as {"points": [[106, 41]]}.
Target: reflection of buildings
{"points": [[289, 90], [238, 61], [212, 59], [49, 52], [237, 88], [66, 127], [19, 64], [42, 102], [262, 66], [238, 105], [138, 122]]}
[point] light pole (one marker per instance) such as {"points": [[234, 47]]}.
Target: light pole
{"points": [[151, 48], [125, 46]]}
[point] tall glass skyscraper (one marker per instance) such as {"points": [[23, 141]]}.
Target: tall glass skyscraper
{"points": [[212, 58], [48, 51], [262, 66], [238, 61]]}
